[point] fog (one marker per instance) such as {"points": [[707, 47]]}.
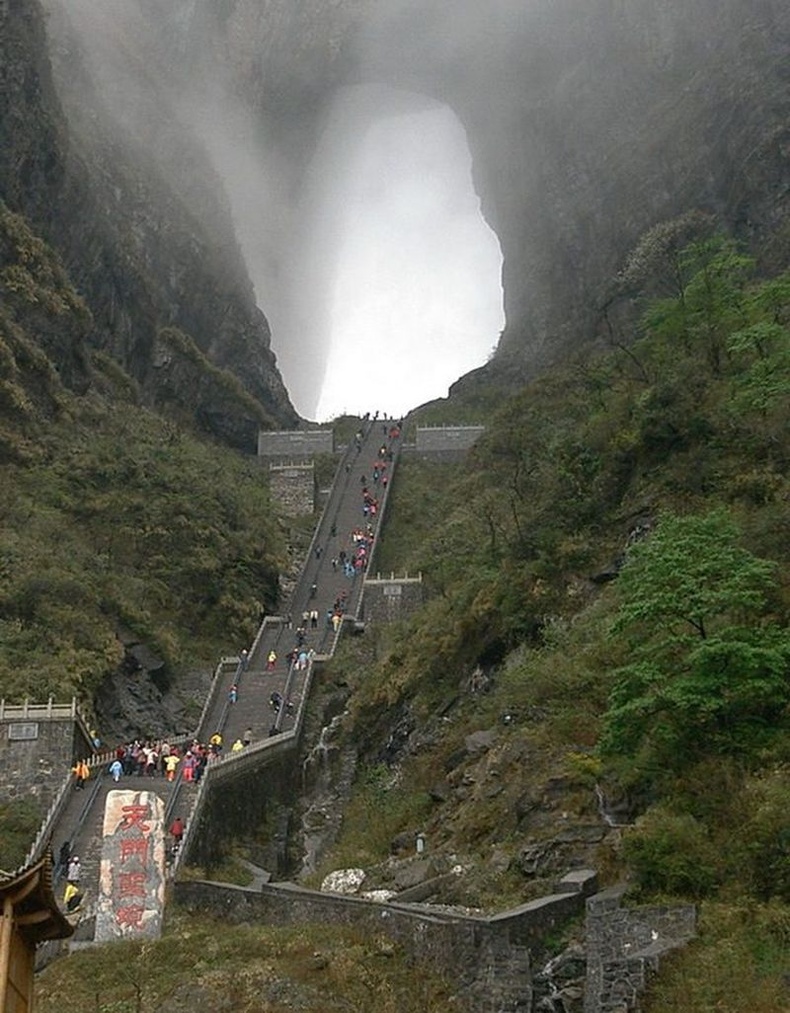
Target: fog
{"points": [[413, 271], [385, 285], [372, 262]]}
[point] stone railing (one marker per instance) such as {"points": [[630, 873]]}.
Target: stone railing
{"points": [[49, 711], [38, 711]]}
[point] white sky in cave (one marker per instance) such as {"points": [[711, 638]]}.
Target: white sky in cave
{"points": [[417, 298]]}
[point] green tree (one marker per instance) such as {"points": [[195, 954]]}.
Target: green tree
{"points": [[710, 301], [709, 666]]}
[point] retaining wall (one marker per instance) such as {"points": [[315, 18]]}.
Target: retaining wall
{"points": [[37, 751], [625, 946], [486, 956], [292, 488], [391, 599], [296, 443], [440, 439]]}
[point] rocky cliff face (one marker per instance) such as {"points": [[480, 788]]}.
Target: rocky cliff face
{"points": [[589, 121], [143, 254]]}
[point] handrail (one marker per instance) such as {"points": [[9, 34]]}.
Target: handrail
{"points": [[227, 760], [341, 475], [359, 599], [212, 692], [172, 802], [86, 808], [52, 815], [189, 823]]}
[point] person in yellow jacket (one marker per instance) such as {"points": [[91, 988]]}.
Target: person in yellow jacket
{"points": [[237, 746], [81, 772], [171, 762], [72, 897]]}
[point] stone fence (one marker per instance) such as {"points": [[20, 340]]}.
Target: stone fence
{"points": [[489, 957], [461, 946]]}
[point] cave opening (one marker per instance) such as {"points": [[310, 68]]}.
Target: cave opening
{"points": [[394, 240]]}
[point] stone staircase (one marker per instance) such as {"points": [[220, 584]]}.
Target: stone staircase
{"points": [[79, 820]]}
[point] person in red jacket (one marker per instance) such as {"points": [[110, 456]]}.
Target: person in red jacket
{"points": [[177, 831]]}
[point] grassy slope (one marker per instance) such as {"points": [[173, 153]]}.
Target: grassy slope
{"points": [[205, 965], [113, 518]]}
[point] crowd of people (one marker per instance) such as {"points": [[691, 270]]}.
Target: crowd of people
{"points": [[162, 759], [158, 758]]}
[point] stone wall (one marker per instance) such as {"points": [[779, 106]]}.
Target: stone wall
{"points": [[243, 793], [488, 957], [443, 443], [624, 947], [296, 443], [293, 488], [390, 599], [35, 755]]}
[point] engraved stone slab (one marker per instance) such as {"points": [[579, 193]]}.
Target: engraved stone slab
{"points": [[132, 876], [22, 731]]}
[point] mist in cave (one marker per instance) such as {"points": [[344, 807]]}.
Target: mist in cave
{"points": [[413, 291]]}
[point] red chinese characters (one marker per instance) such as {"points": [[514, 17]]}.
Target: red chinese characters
{"points": [[135, 816], [130, 881]]}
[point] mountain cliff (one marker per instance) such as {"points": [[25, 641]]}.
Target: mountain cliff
{"points": [[589, 122], [142, 256]]}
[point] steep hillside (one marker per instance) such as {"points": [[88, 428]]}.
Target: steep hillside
{"points": [[121, 527], [602, 673], [140, 255]]}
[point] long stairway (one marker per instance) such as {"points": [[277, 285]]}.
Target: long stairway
{"points": [[78, 821], [80, 824], [320, 587]]}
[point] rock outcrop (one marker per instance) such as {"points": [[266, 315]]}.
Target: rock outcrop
{"points": [[143, 255]]}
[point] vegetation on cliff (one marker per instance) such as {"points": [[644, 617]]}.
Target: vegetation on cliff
{"points": [[616, 554], [117, 521], [609, 577]]}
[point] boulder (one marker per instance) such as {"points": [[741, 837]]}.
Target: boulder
{"points": [[412, 873], [345, 881], [480, 742]]}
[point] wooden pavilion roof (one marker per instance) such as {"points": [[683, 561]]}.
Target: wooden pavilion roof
{"points": [[37, 916]]}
